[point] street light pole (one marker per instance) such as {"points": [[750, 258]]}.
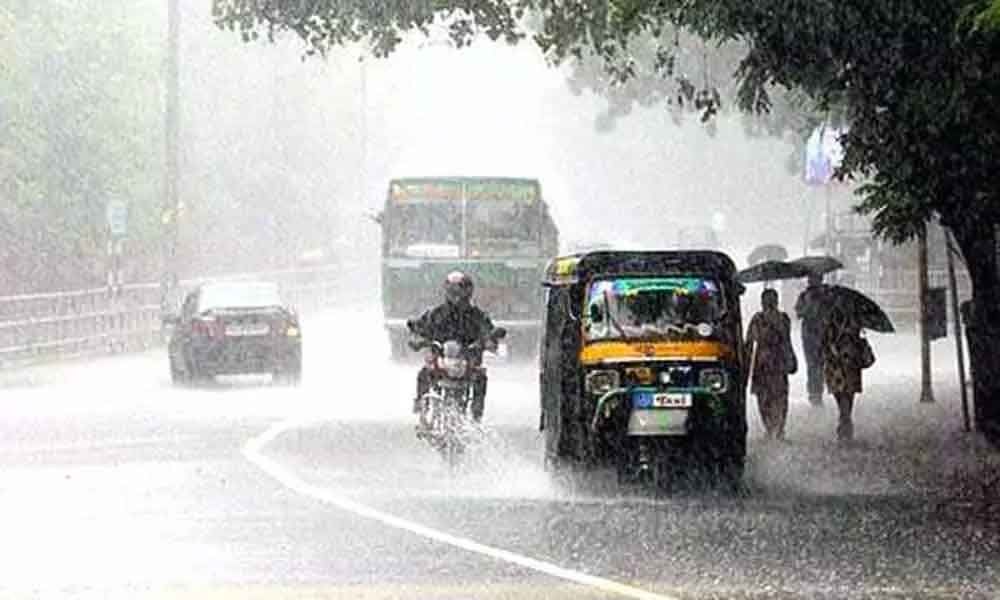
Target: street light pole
{"points": [[363, 170], [171, 199]]}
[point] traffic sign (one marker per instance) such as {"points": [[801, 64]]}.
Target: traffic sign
{"points": [[117, 215], [824, 154]]}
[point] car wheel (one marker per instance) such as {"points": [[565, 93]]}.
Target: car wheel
{"points": [[290, 375], [398, 349], [197, 375]]}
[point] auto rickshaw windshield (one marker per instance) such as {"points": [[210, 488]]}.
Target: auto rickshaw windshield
{"points": [[652, 307]]}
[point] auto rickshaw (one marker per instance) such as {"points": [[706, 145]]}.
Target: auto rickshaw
{"points": [[642, 365]]}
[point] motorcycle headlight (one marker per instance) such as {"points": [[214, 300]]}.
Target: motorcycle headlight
{"points": [[714, 380], [454, 367], [602, 381], [451, 349]]}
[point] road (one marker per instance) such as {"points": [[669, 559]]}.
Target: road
{"points": [[115, 484]]}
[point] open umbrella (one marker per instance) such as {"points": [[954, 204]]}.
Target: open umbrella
{"points": [[869, 314], [771, 270], [819, 264]]}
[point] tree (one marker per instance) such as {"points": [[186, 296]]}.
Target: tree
{"points": [[986, 14], [81, 126], [916, 80], [693, 77]]}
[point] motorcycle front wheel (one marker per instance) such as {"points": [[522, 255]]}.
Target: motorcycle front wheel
{"points": [[452, 444]]}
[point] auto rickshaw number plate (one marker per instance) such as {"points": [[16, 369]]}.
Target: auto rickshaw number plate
{"points": [[658, 421], [672, 400]]}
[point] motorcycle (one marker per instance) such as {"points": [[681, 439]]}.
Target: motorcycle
{"points": [[443, 416]]}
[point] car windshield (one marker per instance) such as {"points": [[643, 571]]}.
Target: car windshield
{"points": [[652, 307], [238, 295]]}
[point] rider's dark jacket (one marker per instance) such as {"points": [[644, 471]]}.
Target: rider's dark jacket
{"points": [[464, 323]]}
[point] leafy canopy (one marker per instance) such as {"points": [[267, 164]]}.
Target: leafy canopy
{"points": [[81, 126], [915, 79]]}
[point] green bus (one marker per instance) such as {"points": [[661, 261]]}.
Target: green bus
{"points": [[498, 230]]}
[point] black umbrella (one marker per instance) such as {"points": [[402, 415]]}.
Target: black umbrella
{"points": [[819, 264], [772, 270], [869, 314]]}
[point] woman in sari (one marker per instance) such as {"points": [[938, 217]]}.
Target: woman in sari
{"points": [[773, 359]]}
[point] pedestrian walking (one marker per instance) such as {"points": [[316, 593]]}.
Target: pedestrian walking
{"points": [[773, 359], [845, 354], [810, 309]]}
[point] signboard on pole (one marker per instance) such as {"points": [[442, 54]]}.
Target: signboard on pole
{"points": [[824, 154], [117, 216]]}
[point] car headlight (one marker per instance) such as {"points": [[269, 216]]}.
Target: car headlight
{"points": [[713, 380], [454, 367], [292, 331], [599, 382]]}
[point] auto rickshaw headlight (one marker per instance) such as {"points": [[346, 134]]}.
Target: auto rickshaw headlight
{"points": [[713, 380], [639, 376], [599, 382]]}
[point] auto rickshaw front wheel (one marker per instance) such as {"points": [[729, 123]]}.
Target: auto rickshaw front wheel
{"points": [[723, 468], [656, 463], [669, 464], [731, 475]]}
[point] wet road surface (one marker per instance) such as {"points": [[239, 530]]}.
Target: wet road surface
{"points": [[113, 483]]}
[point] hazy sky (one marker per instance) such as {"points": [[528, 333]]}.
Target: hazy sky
{"points": [[257, 114]]}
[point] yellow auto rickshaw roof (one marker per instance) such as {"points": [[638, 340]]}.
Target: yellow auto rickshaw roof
{"points": [[575, 268]]}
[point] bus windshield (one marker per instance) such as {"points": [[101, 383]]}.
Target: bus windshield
{"points": [[652, 307], [426, 229], [502, 227], [467, 218]]}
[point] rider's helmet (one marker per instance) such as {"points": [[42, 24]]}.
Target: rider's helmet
{"points": [[458, 288]]}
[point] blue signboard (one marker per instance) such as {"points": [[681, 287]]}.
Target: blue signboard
{"points": [[824, 154]]}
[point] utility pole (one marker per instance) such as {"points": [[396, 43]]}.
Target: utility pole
{"points": [[171, 192], [363, 171], [926, 391], [276, 234], [828, 236]]}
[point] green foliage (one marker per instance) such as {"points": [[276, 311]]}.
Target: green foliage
{"points": [[916, 87], [81, 126], [692, 76], [325, 24], [983, 14], [629, 52]]}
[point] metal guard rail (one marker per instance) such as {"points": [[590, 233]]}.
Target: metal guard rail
{"points": [[36, 327]]}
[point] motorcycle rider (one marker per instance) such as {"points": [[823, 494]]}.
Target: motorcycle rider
{"points": [[456, 319]]}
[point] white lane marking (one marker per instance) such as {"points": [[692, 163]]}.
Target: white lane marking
{"points": [[253, 452]]}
